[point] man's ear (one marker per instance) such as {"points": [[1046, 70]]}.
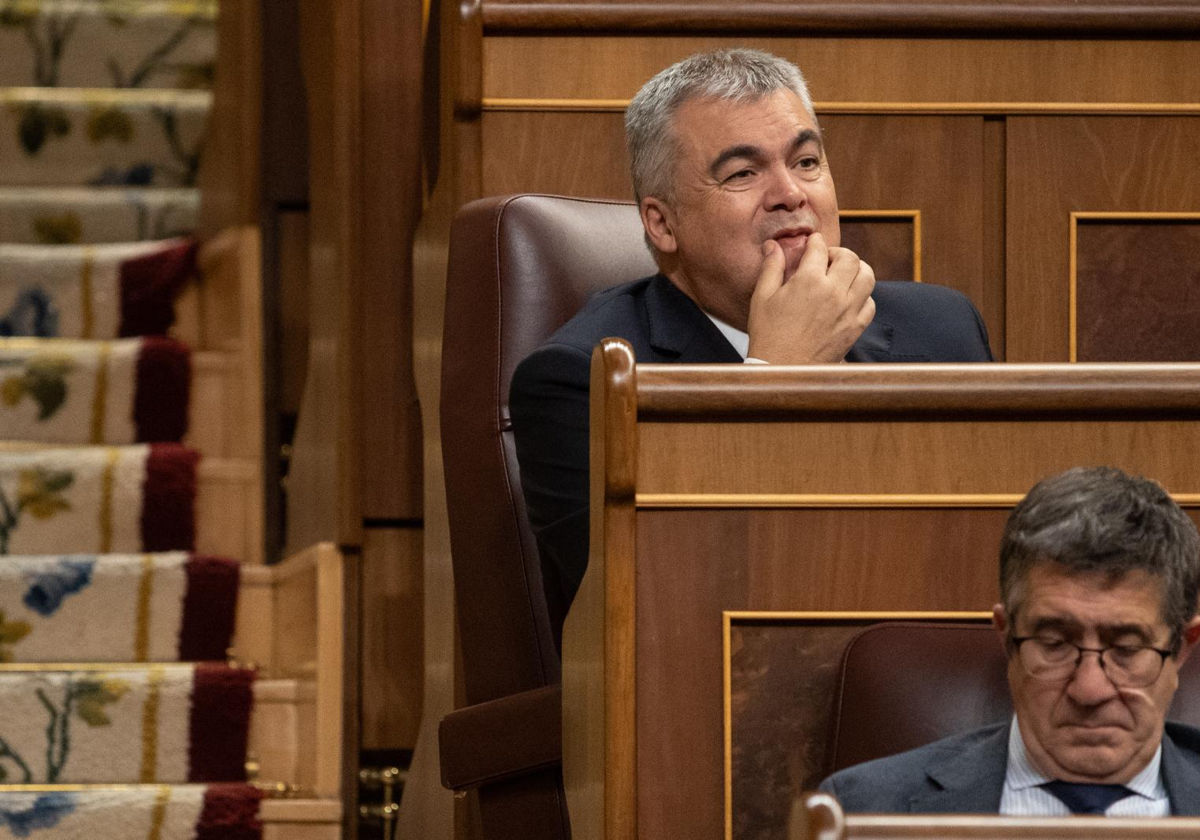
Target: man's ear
{"points": [[659, 222], [1191, 634], [1000, 619]]}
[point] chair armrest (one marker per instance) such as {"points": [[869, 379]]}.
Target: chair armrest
{"points": [[501, 739]]}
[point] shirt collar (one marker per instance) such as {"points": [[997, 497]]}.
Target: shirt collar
{"points": [[1022, 774], [739, 339]]}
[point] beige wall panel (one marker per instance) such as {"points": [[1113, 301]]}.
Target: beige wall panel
{"points": [[931, 457], [392, 638], [1060, 165], [844, 69]]}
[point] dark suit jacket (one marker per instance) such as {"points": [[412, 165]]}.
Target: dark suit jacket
{"points": [[549, 394], [964, 774]]}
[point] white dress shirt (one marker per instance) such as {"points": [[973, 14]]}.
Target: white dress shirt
{"points": [[1023, 798], [739, 340]]}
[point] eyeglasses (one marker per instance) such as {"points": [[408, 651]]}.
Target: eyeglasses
{"points": [[1126, 666]]}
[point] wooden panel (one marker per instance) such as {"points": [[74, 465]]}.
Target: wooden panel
{"points": [[782, 674], [293, 309], [392, 649], [913, 173], [904, 458], [887, 245], [579, 154], [1136, 287], [864, 69], [387, 219], [692, 565], [324, 489], [230, 179], [1057, 166]]}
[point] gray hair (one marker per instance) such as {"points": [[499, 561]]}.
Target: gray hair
{"points": [[733, 74], [1100, 520]]}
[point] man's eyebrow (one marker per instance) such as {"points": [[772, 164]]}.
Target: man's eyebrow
{"points": [[743, 150], [1105, 631], [751, 152], [805, 137]]}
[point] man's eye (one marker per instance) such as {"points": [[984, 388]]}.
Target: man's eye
{"points": [[1051, 643], [809, 162], [740, 175]]}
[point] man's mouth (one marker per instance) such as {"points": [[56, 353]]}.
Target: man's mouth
{"points": [[793, 238]]}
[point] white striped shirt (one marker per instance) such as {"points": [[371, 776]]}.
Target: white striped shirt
{"points": [[1023, 798]]}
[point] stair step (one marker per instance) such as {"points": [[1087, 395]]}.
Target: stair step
{"points": [[166, 607], [97, 499], [91, 215], [97, 137], [132, 390], [146, 44], [112, 723], [166, 812], [92, 291]]}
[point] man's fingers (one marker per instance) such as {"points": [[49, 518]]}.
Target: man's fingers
{"points": [[815, 261], [770, 273], [863, 283]]}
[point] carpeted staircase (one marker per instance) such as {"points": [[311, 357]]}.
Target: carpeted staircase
{"points": [[119, 714]]}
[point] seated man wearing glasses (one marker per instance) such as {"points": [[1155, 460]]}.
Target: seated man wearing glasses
{"points": [[1099, 575]]}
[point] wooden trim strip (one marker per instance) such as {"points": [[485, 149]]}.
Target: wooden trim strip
{"points": [[856, 615], [1140, 109], [723, 392], [1172, 20], [1073, 257], [801, 501]]}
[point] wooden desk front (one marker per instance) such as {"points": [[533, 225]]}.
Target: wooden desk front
{"points": [[747, 520]]}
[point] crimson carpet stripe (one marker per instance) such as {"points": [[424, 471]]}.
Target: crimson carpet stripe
{"points": [[169, 498], [209, 608], [149, 285], [160, 403], [230, 812], [220, 723]]}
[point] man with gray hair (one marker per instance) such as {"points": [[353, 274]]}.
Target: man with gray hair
{"points": [[1099, 578], [739, 209]]}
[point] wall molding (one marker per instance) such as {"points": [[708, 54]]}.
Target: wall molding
{"points": [[1175, 20]]}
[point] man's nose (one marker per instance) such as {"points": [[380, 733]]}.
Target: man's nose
{"points": [[1090, 685], [785, 191]]}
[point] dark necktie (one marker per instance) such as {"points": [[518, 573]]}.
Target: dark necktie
{"points": [[1086, 799]]}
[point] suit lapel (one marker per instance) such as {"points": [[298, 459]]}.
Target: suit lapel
{"points": [[680, 330], [1181, 777], [970, 781]]}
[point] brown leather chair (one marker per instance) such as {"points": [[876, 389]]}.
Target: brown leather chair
{"points": [[520, 266], [903, 685]]}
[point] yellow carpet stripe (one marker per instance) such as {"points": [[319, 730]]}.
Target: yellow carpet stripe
{"points": [[85, 291], [161, 798], [106, 499], [141, 644], [150, 725], [100, 397]]}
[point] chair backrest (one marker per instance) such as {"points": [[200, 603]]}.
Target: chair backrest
{"points": [[520, 266], [903, 685]]}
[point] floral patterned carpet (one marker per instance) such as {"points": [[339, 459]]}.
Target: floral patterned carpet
{"points": [[119, 717]]}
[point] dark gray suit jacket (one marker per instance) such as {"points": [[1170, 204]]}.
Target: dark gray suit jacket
{"points": [[964, 774], [548, 399]]}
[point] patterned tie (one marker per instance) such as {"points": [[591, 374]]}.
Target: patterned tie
{"points": [[1086, 799]]}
